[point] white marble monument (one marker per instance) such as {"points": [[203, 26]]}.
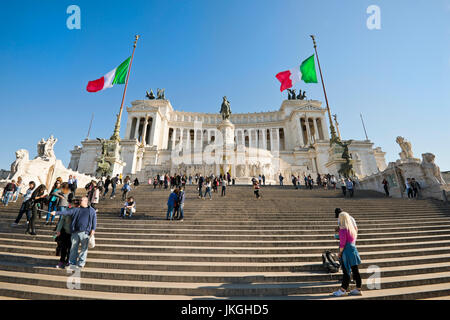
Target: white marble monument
{"points": [[291, 140], [43, 169]]}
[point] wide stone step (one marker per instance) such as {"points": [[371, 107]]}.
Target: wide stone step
{"points": [[372, 223], [49, 243], [246, 249], [180, 229], [263, 258], [227, 277], [306, 235], [208, 266], [143, 239], [213, 289]]}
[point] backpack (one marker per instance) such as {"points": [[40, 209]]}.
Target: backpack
{"points": [[330, 262]]}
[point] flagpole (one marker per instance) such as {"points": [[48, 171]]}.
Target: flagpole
{"points": [[333, 132], [116, 134], [362, 120], [90, 125]]}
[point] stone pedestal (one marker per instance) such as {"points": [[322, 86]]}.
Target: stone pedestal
{"points": [[113, 157], [226, 129], [335, 160], [409, 161], [109, 162], [117, 166]]}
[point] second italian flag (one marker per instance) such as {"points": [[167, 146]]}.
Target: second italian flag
{"points": [[306, 72], [116, 76]]}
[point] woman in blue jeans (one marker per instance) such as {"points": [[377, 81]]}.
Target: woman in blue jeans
{"points": [[208, 189], [15, 196], [53, 203]]}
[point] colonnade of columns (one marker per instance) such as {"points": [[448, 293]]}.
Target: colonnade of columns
{"points": [[142, 129], [264, 138], [311, 130]]}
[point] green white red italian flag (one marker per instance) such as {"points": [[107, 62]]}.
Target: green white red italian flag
{"points": [[306, 72], [116, 76]]}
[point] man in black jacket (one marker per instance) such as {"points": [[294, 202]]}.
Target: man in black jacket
{"points": [[107, 183], [114, 182], [200, 186], [8, 192]]}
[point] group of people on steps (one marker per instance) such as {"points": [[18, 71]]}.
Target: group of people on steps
{"points": [[78, 218]]}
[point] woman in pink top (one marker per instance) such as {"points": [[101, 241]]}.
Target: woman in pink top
{"points": [[348, 255]]}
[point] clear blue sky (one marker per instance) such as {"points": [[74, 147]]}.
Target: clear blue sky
{"points": [[398, 77]]}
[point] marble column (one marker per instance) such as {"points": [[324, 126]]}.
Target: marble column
{"points": [[272, 135], [302, 143], [152, 132], [144, 131], [181, 137], [278, 138], [174, 132], [136, 131], [260, 139], [128, 129], [316, 132], [264, 132], [195, 139], [308, 131], [323, 122]]}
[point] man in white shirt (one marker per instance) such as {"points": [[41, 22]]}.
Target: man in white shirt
{"points": [[25, 207]]}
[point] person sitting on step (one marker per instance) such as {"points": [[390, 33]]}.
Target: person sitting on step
{"points": [[128, 209]]}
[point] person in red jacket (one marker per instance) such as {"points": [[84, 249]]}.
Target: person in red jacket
{"points": [[256, 189]]}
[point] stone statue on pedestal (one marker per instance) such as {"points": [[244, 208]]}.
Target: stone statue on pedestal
{"points": [[346, 169], [291, 94], [151, 95], [301, 96], [225, 109], [103, 166], [45, 148], [406, 148], [431, 170], [160, 94], [22, 158]]}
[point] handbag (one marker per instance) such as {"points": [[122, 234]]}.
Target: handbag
{"points": [[91, 242]]}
